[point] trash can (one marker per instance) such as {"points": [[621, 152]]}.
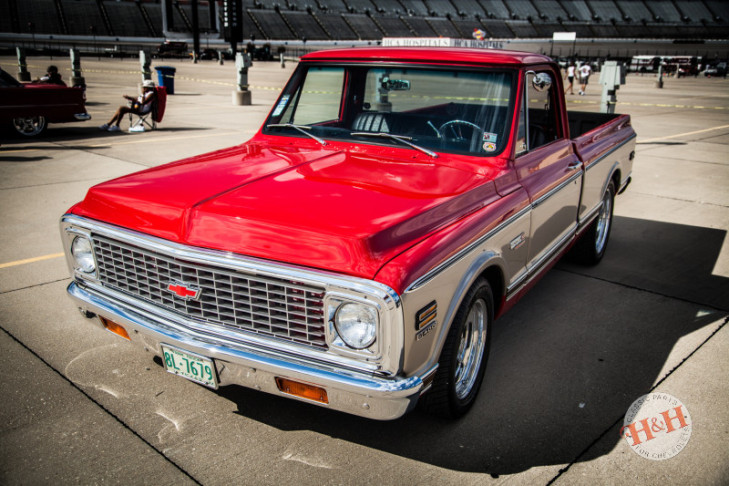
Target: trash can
{"points": [[166, 78]]}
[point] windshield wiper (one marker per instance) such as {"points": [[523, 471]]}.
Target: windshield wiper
{"points": [[397, 138], [302, 128]]}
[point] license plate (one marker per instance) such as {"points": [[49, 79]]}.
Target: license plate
{"points": [[191, 366]]}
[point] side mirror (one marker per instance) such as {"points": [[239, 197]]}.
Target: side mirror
{"points": [[542, 82]]}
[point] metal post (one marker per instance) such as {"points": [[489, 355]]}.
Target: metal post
{"points": [[611, 77], [145, 60], [23, 74], [76, 79], [659, 83], [241, 96]]}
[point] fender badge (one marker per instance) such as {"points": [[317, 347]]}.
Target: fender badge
{"points": [[186, 291], [517, 242]]}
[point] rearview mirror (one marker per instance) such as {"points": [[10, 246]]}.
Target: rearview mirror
{"points": [[388, 84]]}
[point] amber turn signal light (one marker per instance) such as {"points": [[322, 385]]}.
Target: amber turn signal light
{"points": [[115, 328], [302, 390]]}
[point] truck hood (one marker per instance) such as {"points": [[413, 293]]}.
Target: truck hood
{"points": [[328, 208]]}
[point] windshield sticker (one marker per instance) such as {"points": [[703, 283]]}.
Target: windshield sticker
{"points": [[490, 137], [281, 105], [489, 147]]}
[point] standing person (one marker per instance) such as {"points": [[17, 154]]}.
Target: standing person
{"points": [[585, 71], [140, 106], [570, 78]]}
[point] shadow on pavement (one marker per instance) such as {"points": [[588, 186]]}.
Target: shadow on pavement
{"points": [[565, 363]]}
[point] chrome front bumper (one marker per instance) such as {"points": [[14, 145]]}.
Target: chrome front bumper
{"points": [[348, 391]]}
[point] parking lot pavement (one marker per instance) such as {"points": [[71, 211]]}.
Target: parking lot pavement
{"points": [[81, 405]]}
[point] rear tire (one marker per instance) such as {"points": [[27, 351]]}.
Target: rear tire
{"points": [[30, 126], [591, 246], [463, 359]]}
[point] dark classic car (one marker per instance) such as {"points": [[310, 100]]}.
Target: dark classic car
{"points": [[30, 107]]}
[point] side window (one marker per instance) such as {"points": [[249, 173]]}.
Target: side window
{"points": [[539, 123], [318, 100]]}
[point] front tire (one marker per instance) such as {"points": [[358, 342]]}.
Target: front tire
{"points": [[30, 126], [463, 359]]}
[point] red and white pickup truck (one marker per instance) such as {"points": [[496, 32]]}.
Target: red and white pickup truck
{"points": [[354, 253]]}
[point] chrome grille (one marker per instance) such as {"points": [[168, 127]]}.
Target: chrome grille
{"points": [[262, 304]]}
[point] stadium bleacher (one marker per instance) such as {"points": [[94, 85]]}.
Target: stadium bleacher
{"points": [[394, 27], [335, 26], [305, 25], [419, 26], [578, 10], [444, 27], [363, 26], [495, 9], [331, 20]]}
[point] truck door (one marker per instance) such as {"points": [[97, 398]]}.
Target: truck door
{"points": [[547, 167]]}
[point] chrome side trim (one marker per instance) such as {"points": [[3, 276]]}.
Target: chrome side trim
{"points": [[462, 253], [607, 154], [587, 219], [364, 394], [555, 190], [545, 259]]}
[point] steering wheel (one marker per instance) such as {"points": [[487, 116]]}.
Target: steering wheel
{"points": [[455, 129]]}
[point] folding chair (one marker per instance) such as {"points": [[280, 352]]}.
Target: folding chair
{"points": [[154, 116]]}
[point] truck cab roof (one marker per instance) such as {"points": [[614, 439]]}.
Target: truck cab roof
{"points": [[434, 55]]}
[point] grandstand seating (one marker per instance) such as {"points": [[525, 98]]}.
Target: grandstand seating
{"points": [[332, 6], [394, 27], [496, 9], [635, 11], [444, 28], [270, 21], [419, 26], [374, 19], [304, 25], [363, 26], [663, 11], [578, 10], [336, 27]]}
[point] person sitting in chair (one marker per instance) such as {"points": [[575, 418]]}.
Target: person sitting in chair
{"points": [[139, 106], [52, 77]]}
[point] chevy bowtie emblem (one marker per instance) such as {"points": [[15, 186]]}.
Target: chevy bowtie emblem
{"points": [[186, 291]]}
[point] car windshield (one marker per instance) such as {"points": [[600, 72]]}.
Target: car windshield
{"points": [[428, 109]]}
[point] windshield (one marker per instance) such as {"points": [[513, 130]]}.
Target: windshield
{"points": [[433, 109]]}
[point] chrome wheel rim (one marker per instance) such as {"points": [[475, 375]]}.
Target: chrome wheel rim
{"points": [[470, 349], [603, 223], [29, 126]]}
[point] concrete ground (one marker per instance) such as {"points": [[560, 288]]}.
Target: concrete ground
{"points": [[80, 405]]}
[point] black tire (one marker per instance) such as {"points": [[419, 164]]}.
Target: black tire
{"points": [[591, 246], [463, 359], [30, 126]]}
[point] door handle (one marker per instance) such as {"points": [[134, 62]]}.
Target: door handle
{"points": [[574, 166]]}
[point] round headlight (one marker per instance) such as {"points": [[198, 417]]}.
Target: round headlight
{"points": [[356, 325], [83, 254]]}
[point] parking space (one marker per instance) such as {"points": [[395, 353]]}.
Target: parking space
{"points": [[81, 405]]}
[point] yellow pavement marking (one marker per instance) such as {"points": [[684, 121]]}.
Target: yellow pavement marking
{"points": [[685, 134], [31, 260], [165, 139], [138, 140]]}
